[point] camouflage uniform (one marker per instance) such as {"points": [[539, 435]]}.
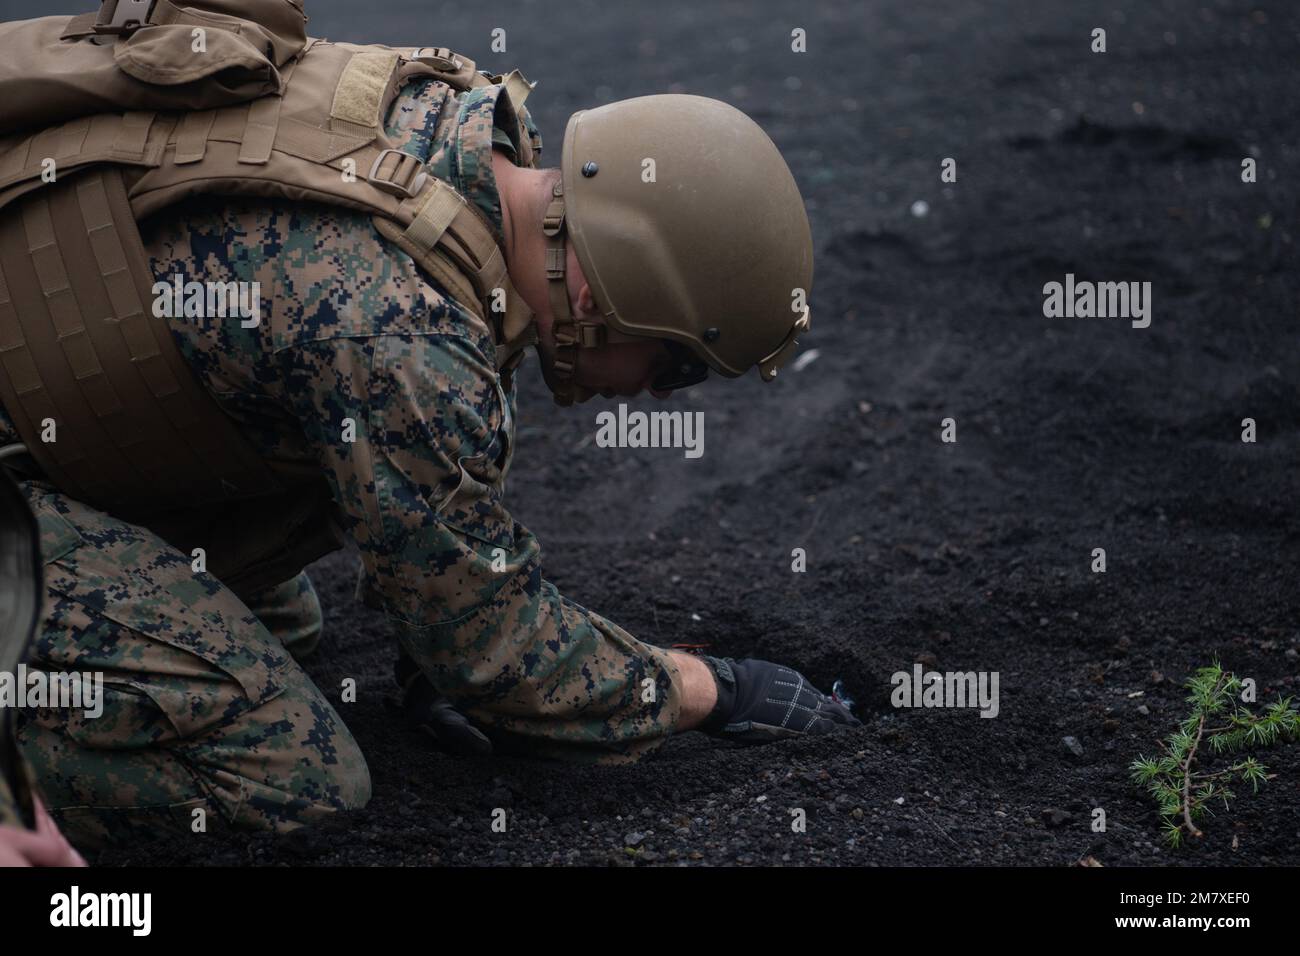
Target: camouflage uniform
{"points": [[206, 705]]}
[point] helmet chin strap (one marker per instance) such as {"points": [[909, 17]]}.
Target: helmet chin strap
{"points": [[570, 334], [563, 328]]}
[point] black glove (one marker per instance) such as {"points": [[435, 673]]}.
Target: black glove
{"points": [[427, 710], [759, 701]]}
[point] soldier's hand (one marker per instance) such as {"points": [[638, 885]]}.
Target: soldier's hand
{"points": [[45, 846], [429, 711], [760, 701]]}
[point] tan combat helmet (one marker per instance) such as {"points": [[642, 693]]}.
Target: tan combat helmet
{"points": [[689, 228]]}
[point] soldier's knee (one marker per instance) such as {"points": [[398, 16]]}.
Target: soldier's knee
{"points": [[282, 803], [355, 790], [321, 773], [347, 780]]}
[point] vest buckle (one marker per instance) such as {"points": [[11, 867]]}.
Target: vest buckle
{"points": [[440, 58], [118, 17], [398, 173]]}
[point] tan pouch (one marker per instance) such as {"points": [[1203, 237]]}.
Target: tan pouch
{"points": [[55, 69], [164, 56]]}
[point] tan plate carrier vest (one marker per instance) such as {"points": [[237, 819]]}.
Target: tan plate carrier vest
{"points": [[136, 433]]}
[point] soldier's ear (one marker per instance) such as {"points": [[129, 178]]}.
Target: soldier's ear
{"points": [[586, 303]]}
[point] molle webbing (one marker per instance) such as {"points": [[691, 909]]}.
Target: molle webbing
{"points": [[323, 141], [80, 346]]}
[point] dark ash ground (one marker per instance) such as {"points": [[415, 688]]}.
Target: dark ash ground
{"points": [[1073, 434]]}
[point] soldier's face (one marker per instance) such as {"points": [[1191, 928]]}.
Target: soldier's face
{"points": [[615, 369], [621, 369]]}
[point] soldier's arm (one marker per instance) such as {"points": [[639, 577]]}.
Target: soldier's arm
{"points": [[421, 488]]}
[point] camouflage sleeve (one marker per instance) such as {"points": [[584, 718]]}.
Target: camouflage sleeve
{"points": [[421, 487]]}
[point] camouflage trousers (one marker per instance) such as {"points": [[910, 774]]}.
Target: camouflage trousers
{"points": [[204, 706]]}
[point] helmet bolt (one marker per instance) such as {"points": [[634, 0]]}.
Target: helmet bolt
{"points": [[711, 334], [590, 169]]}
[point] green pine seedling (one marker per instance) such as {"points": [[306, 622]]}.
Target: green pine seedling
{"points": [[1184, 789]]}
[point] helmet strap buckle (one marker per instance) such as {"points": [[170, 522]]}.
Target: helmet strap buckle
{"points": [[570, 334], [555, 262], [553, 218], [591, 335], [563, 327]]}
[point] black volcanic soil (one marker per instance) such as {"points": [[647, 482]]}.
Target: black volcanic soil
{"points": [[1073, 434]]}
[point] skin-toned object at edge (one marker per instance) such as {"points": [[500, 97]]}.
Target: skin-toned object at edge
{"points": [[28, 837]]}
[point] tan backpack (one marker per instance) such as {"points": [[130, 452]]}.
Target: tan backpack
{"points": [[109, 117]]}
